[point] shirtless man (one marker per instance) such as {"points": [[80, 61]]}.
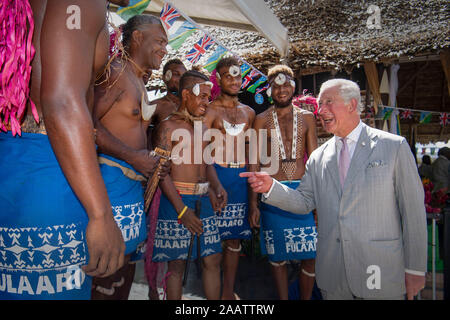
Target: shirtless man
{"points": [[62, 214], [295, 134], [172, 72], [188, 183], [232, 118], [121, 115]]}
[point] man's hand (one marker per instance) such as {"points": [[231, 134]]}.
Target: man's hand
{"points": [[191, 222], [218, 197], [165, 169], [253, 217], [259, 181], [413, 285], [106, 247], [143, 162]]}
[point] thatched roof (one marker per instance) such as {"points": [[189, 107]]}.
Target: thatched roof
{"points": [[332, 34]]}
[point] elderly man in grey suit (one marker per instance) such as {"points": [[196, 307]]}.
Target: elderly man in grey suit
{"points": [[372, 236]]}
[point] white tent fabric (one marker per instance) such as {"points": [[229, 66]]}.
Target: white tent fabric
{"points": [[247, 15]]}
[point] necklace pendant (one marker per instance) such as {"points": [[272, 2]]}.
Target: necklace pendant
{"points": [[233, 129]]}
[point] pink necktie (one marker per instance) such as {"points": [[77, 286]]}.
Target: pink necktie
{"points": [[344, 161]]}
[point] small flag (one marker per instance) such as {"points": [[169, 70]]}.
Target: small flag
{"points": [[215, 58], [399, 129], [425, 117], [444, 118], [177, 39], [406, 114], [134, 7], [249, 78], [388, 113], [255, 86], [199, 49], [262, 89], [168, 16], [369, 113], [245, 68], [380, 114]]}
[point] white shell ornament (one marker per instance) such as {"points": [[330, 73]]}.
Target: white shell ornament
{"points": [[147, 110], [280, 79], [269, 92], [208, 83], [233, 129], [196, 89], [234, 71], [292, 83], [168, 75]]}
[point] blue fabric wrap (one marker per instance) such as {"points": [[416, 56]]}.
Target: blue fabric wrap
{"points": [[233, 219], [127, 200], [285, 235], [172, 239], [42, 224]]}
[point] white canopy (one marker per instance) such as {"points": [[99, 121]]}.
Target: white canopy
{"points": [[248, 15]]}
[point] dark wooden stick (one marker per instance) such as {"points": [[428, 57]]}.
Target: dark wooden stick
{"points": [[191, 244]]}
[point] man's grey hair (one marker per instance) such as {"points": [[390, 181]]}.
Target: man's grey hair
{"points": [[347, 89]]}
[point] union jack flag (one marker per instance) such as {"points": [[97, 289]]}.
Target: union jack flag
{"points": [[406, 114], [168, 16], [199, 49], [263, 88], [248, 78], [444, 118]]}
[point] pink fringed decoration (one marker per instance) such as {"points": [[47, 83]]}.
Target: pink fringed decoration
{"points": [[115, 47], [16, 55], [150, 267], [306, 99], [112, 42], [215, 91]]}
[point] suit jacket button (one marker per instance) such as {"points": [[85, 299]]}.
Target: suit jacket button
{"points": [[338, 240]]}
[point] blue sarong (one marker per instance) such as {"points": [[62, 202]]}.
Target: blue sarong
{"points": [[127, 200], [42, 224], [172, 239], [233, 219], [285, 235]]}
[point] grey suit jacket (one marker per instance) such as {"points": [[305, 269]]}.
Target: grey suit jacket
{"points": [[377, 219]]}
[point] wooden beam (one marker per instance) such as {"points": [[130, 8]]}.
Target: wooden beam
{"points": [[443, 94], [412, 78], [415, 88], [445, 60], [374, 84]]}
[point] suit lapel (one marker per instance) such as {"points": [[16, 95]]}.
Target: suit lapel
{"points": [[330, 160], [363, 150]]}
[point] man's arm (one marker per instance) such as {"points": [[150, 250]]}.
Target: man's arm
{"points": [[105, 98], [218, 195], [254, 213], [189, 219], [67, 57], [311, 132], [410, 199]]}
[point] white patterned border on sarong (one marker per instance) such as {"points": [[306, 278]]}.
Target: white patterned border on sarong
{"points": [[42, 249]]}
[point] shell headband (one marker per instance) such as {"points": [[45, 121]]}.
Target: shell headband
{"points": [[196, 88], [281, 79], [168, 75], [234, 71]]}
